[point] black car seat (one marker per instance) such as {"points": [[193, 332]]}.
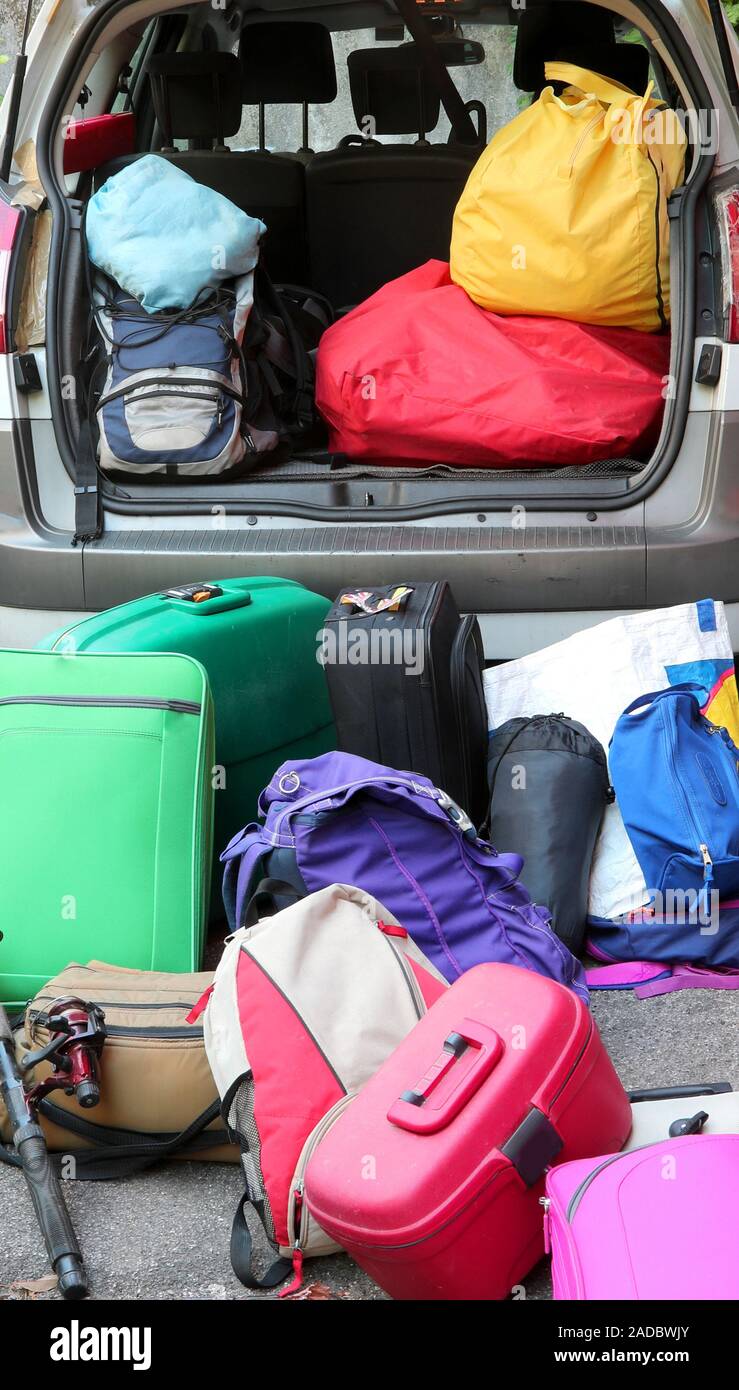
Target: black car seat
{"points": [[198, 97], [378, 210], [571, 31], [287, 64]]}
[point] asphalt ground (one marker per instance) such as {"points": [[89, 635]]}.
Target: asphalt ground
{"points": [[165, 1234]]}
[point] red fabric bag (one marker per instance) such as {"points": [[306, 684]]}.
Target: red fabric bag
{"points": [[420, 373]]}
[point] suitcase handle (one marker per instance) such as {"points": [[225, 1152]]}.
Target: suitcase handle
{"points": [[715, 1088], [466, 1059]]}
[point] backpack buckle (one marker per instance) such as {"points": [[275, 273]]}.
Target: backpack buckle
{"points": [[456, 815]]}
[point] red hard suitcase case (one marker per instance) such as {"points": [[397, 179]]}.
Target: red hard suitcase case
{"points": [[431, 1178]]}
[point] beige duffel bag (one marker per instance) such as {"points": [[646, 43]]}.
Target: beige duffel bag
{"points": [[155, 1081]]}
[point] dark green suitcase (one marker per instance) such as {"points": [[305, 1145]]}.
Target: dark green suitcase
{"points": [[257, 639]]}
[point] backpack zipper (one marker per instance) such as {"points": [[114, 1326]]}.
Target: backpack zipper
{"points": [[106, 702], [298, 1214], [222, 387], [410, 979], [216, 401], [685, 802]]}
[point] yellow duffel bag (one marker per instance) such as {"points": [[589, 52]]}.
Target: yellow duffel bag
{"points": [[565, 213]]}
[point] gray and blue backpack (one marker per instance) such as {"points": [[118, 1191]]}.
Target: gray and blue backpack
{"points": [[196, 392]]}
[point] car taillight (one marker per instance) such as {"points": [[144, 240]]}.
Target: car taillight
{"points": [[10, 219], [727, 209]]}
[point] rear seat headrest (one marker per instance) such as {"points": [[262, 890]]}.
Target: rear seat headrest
{"points": [[197, 96], [393, 87], [626, 63], [550, 32], [287, 63]]}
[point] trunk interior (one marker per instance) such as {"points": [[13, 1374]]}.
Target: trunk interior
{"points": [[393, 207]]}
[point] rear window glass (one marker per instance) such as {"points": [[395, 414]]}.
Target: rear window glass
{"points": [[490, 82]]}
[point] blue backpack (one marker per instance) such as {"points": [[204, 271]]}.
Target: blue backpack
{"points": [[676, 777]]}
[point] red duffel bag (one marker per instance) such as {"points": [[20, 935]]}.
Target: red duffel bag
{"points": [[419, 374]]}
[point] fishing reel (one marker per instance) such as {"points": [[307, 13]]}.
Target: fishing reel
{"points": [[77, 1036]]}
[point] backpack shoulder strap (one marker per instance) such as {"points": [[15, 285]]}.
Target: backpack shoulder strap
{"points": [[653, 696], [242, 1251], [285, 348], [270, 896]]}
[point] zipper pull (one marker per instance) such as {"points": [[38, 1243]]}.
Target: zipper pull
{"points": [[251, 446], [703, 896], [200, 1007], [390, 929], [219, 412], [545, 1202], [297, 1279]]}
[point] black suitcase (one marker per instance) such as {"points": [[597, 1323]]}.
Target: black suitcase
{"points": [[406, 686]]}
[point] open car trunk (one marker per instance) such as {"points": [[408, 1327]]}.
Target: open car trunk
{"points": [[314, 482]]}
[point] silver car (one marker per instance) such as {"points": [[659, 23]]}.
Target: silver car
{"points": [[536, 553]]}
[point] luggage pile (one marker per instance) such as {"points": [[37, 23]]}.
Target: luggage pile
{"points": [[407, 904], [193, 364], [544, 342]]}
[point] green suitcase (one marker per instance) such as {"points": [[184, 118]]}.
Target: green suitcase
{"points": [[106, 785], [257, 639]]}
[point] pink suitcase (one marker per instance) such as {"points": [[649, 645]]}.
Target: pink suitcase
{"points": [[431, 1178], [659, 1223]]}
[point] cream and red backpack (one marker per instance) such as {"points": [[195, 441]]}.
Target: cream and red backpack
{"points": [[304, 1008]]}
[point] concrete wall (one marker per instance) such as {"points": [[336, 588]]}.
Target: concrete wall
{"points": [[12, 14]]}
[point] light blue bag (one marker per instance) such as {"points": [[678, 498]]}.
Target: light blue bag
{"points": [[165, 238]]}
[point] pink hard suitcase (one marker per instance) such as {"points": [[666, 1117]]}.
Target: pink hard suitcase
{"points": [[659, 1223], [431, 1178]]}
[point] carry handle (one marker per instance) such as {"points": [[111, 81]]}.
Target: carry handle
{"points": [[391, 782], [709, 1088], [468, 1056], [609, 92], [651, 698]]}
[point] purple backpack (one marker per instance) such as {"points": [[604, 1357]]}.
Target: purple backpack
{"points": [[342, 819]]}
